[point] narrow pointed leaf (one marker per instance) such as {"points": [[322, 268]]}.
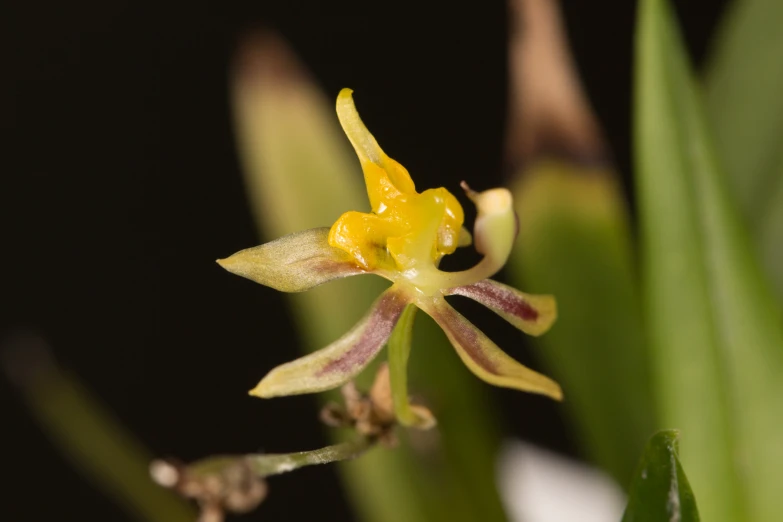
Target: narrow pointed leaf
{"points": [[342, 360], [691, 386], [660, 491], [485, 359], [717, 334], [533, 314], [743, 82], [743, 85], [293, 263], [574, 241], [88, 435]]}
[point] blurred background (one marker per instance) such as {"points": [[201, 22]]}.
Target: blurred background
{"points": [[122, 184]]}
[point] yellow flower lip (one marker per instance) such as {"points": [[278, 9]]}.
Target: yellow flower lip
{"points": [[408, 233], [405, 229]]}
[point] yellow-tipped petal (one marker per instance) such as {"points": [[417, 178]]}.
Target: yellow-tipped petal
{"points": [[368, 150], [533, 314], [293, 263], [495, 228], [366, 147], [342, 360], [484, 358], [415, 229]]}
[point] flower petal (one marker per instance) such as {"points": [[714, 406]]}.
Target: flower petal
{"points": [[494, 232], [342, 360], [370, 153], [465, 238], [484, 358], [533, 314], [293, 263]]}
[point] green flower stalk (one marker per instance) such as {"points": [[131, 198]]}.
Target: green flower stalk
{"points": [[403, 240]]}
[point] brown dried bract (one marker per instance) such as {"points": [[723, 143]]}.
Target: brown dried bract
{"points": [[233, 488], [371, 415]]}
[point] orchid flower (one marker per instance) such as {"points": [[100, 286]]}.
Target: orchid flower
{"points": [[403, 240]]}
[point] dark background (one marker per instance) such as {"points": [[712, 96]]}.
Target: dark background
{"points": [[120, 186]]}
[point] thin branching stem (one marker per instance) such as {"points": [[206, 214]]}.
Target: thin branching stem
{"points": [[264, 465]]}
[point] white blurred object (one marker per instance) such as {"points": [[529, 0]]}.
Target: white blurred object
{"points": [[537, 485]]}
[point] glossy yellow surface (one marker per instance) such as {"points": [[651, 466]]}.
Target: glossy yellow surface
{"points": [[405, 229]]}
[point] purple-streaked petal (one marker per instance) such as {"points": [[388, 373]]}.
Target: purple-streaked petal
{"points": [[533, 314], [342, 360], [293, 263], [484, 358]]}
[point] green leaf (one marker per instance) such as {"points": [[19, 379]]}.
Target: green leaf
{"points": [[715, 327], [769, 233], [88, 435], [574, 242], [660, 491], [744, 79], [300, 173], [744, 82]]}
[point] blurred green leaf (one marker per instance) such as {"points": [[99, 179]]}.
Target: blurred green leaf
{"points": [[574, 242], [715, 328], [300, 173], [769, 233], [88, 435], [660, 491], [744, 82]]}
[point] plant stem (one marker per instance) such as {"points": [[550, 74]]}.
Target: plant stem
{"points": [[264, 465], [399, 350]]}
